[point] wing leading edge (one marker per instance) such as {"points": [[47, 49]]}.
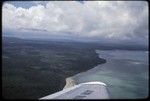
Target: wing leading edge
{"points": [[88, 90]]}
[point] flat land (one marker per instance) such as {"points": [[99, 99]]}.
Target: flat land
{"points": [[32, 69]]}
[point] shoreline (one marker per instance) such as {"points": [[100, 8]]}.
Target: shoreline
{"points": [[70, 82]]}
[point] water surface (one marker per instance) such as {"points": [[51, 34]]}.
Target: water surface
{"points": [[125, 73]]}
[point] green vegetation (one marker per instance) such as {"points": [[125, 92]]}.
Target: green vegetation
{"points": [[33, 69]]}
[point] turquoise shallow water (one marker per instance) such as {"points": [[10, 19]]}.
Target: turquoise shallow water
{"points": [[125, 73]]}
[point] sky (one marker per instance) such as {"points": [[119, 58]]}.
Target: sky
{"points": [[101, 21]]}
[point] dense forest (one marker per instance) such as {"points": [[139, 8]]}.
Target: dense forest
{"points": [[33, 69]]}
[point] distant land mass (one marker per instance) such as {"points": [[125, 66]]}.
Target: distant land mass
{"points": [[96, 44]]}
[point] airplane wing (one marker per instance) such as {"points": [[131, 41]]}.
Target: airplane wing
{"points": [[88, 90]]}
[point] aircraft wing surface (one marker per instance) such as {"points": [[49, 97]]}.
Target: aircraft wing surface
{"points": [[89, 90]]}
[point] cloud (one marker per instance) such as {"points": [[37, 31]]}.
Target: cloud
{"points": [[107, 20]]}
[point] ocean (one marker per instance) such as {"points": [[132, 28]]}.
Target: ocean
{"points": [[125, 73]]}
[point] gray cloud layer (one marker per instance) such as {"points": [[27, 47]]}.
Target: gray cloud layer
{"points": [[97, 20]]}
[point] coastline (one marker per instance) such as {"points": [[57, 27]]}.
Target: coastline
{"points": [[117, 72], [70, 82]]}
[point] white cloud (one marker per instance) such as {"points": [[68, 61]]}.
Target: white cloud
{"points": [[94, 19]]}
